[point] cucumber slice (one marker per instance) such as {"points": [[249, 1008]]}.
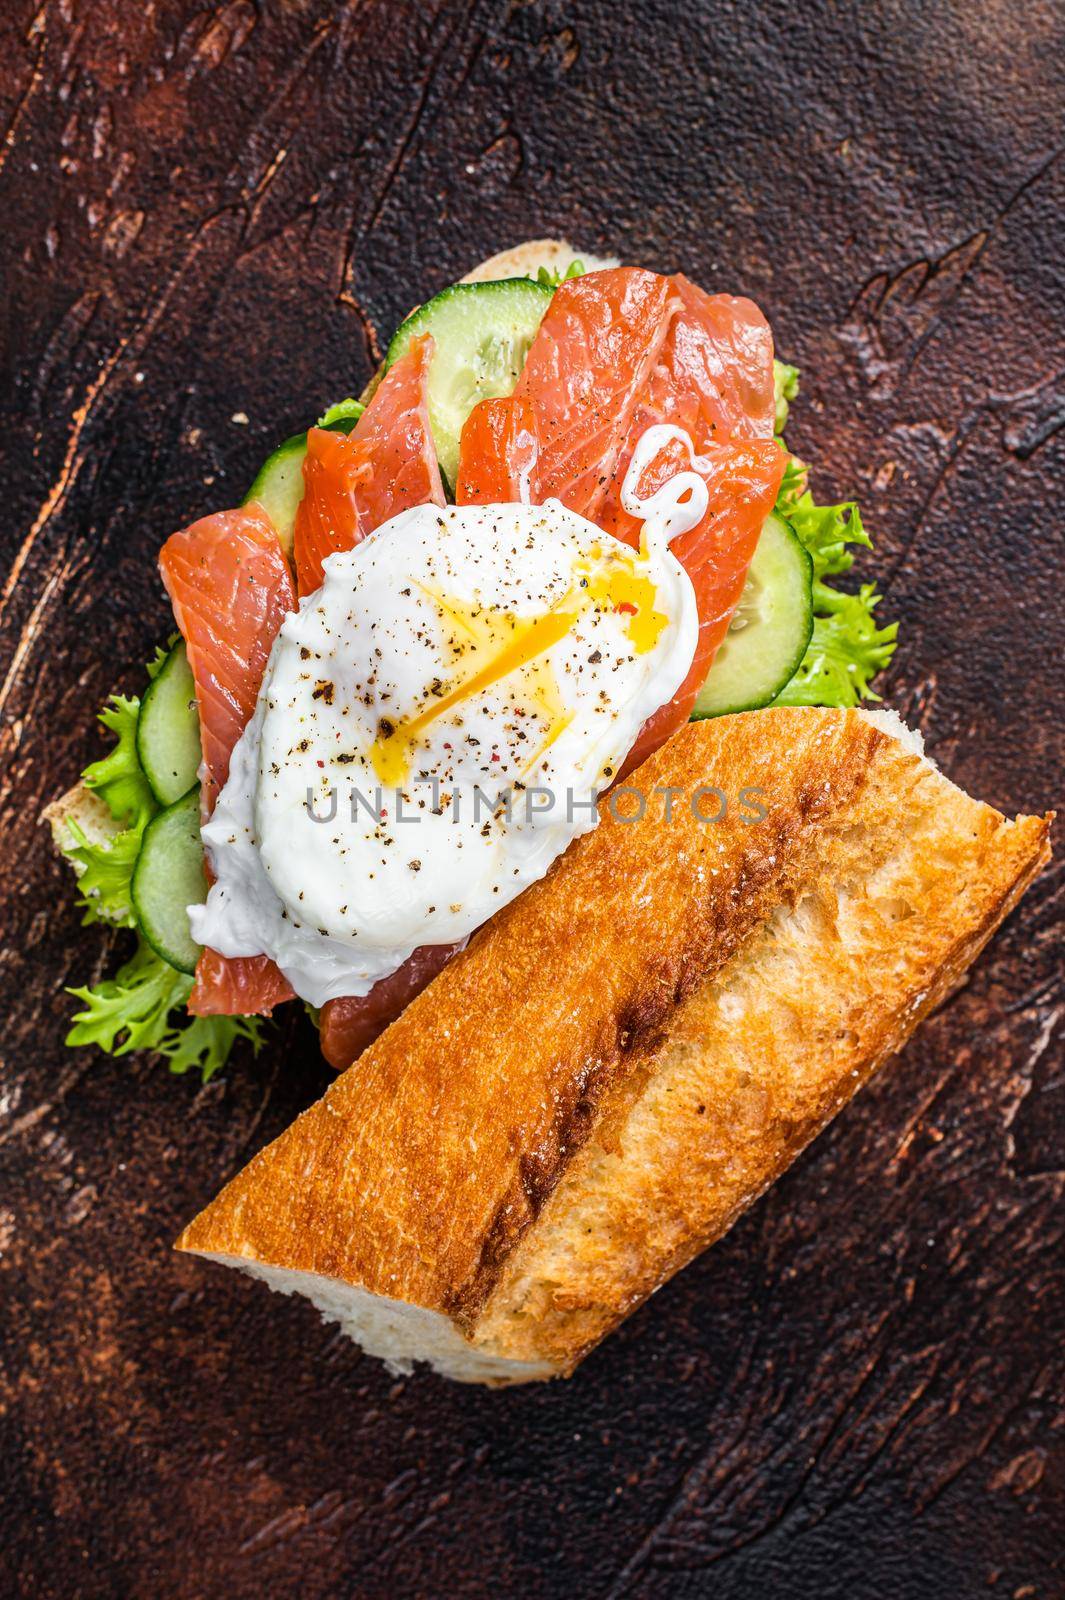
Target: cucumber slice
{"points": [[771, 628], [168, 877], [482, 333], [168, 729], [278, 485]]}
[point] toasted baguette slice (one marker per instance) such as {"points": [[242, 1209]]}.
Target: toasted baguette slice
{"points": [[625, 1057], [86, 810], [88, 813]]}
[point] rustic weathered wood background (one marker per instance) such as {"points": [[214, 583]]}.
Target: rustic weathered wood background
{"points": [[212, 213]]}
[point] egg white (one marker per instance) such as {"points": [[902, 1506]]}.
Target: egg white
{"points": [[340, 890]]}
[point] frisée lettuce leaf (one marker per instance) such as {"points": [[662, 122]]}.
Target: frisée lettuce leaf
{"points": [[104, 867], [144, 1006], [344, 411], [848, 647], [117, 777], [104, 873]]}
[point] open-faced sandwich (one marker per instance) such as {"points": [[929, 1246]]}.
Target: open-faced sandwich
{"points": [[512, 724]]}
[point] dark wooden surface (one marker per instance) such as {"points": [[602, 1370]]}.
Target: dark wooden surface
{"points": [[211, 215]]}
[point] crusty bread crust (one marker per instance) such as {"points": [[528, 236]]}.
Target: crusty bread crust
{"points": [[79, 805], [626, 1056], [525, 261], [88, 813]]}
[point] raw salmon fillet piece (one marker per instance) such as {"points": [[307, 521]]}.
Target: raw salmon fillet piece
{"points": [[589, 364], [231, 589], [617, 352], [720, 351], [498, 453], [585, 372], [743, 478], [237, 986], [353, 482], [714, 379], [349, 1026]]}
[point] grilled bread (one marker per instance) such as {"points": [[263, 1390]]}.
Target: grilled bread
{"points": [[625, 1057]]}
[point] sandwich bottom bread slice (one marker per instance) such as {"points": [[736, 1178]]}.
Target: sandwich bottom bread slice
{"points": [[628, 1055]]}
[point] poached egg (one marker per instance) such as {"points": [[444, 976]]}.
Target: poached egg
{"points": [[434, 726]]}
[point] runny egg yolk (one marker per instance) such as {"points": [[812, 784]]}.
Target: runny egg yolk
{"points": [[615, 583], [506, 643], [525, 639]]}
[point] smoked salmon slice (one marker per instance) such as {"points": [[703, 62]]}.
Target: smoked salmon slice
{"points": [[589, 364], [231, 589], [720, 353], [498, 453], [237, 986], [349, 1026], [714, 379], [353, 482], [617, 352], [743, 478]]}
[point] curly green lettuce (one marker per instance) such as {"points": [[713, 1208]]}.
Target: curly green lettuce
{"points": [[785, 388], [104, 874], [117, 778], [105, 867], [144, 1007], [848, 647], [552, 277], [344, 411]]}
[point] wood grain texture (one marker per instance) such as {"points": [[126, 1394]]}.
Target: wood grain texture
{"points": [[215, 212]]}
